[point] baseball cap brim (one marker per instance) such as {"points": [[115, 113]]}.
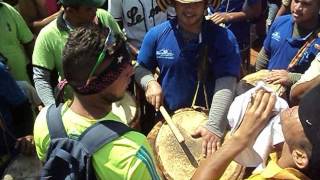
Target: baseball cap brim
{"points": [[163, 4]]}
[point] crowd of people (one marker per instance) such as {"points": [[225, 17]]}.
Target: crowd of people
{"points": [[84, 55]]}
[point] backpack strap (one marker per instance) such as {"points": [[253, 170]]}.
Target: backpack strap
{"points": [[102, 133], [54, 121]]}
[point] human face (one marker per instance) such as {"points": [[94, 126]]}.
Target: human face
{"points": [[305, 12], [190, 15], [84, 15], [116, 90], [291, 125]]}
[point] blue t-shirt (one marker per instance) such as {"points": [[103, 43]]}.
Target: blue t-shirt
{"points": [[164, 47], [241, 29], [281, 47]]}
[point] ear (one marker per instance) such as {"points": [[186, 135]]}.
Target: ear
{"points": [[300, 158]]}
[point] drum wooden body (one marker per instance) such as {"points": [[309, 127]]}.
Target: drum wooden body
{"points": [[127, 110], [23, 168], [253, 78], [177, 161]]}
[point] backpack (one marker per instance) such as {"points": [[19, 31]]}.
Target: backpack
{"points": [[69, 158]]}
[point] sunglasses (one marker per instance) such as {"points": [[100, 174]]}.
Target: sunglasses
{"points": [[110, 46]]}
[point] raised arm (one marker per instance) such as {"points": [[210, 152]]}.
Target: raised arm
{"points": [[256, 117]]}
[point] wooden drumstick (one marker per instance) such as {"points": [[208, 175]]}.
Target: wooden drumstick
{"points": [[171, 124]]}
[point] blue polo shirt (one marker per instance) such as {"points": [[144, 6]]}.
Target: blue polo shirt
{"points": [[163, 47], [241, 29], [281, 47]]}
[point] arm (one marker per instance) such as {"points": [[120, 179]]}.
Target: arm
{"points": [[215, 127], [42, 81], [152, 88], [43, 17], [39, 24], [221, 101], [285, 7], [248, 12], [262, 60], [256, 117], [298, 90]]}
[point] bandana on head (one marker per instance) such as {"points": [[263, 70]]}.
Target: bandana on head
{"points": [[120, 59], [106, 78]]}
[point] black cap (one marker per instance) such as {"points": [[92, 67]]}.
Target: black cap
{"points": [[309, 115]]}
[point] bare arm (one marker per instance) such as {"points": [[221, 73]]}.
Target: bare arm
{"points": [[248, 12], [256, 117], [36, 26], [298, 90]]}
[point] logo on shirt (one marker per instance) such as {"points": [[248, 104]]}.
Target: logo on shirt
{"points": [[276, 36], [165, 54]]}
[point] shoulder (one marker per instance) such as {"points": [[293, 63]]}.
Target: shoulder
{"points": [[162, 29], [49, 29], [218, 34], [101, 13], [41, 133], [282, 20], [50, 32]]}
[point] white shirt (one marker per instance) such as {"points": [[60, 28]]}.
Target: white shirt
{"points": [[138, 17]]}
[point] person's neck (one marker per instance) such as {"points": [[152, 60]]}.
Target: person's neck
{"points": [[305, 28], [69, 20], [195, 29], [91, 107], [285, 159]]}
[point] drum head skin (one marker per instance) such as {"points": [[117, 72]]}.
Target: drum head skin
{"points": [[180, 162], [251, 80]]}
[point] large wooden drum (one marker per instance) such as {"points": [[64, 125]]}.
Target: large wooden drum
{"points": [[179, 162], [128, 111], [23, 168], [251, 80]]}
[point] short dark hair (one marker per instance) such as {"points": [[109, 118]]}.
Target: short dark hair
{"points": [[81, 53]]}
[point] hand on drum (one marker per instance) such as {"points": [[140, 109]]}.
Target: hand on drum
{"points": [[154, 94], [258, 114], [210, 141], [278, 77], [219, 17], [25, 145]]}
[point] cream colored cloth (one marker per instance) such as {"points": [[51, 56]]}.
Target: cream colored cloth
{"points": [[259, 150], [312, 72]]}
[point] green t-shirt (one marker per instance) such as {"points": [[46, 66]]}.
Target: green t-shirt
{"points": [[52, 39], [14, 33], [127, 157]]}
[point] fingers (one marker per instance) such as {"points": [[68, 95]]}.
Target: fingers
{"points": [[217, 18], [158, 103], [204, 147], [257, 99], [269, 107], [317, 46], [154, 94]]}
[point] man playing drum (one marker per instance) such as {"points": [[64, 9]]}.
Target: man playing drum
{"points": [[289, 46], [298, 158], [176, 47]]}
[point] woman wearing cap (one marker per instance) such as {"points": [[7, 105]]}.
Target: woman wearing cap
{"points": [[174, 46]]}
